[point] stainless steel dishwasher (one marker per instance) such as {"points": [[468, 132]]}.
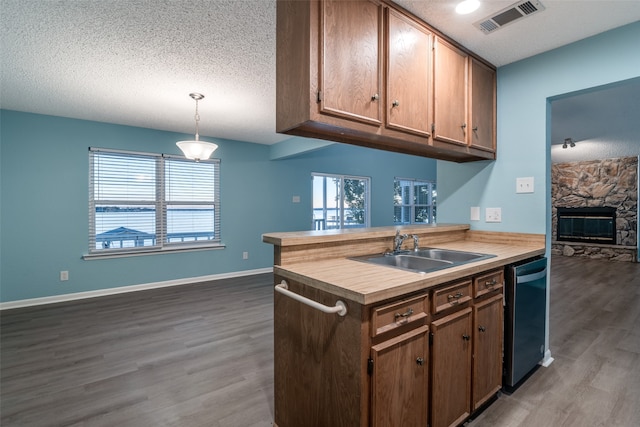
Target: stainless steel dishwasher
{"points": [[525, 318]]}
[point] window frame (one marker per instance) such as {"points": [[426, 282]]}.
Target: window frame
{"points": [[431, 207], [343, 177], [160, 203]]}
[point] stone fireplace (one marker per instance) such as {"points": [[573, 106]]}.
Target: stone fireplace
{"points": [[595, 208]]}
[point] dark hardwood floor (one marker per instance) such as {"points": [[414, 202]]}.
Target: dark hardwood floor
{"points": [[195, 355], [202, 355], [594, 332]]}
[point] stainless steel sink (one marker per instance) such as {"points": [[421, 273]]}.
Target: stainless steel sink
{"points": [[449, 255], [423, 260], [408, 262]]}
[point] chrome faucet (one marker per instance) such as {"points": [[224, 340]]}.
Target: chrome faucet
{"points": [[416, 242], [398, 240]]}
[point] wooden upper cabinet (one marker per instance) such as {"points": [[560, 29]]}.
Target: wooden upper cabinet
{"points": [[450, 93], [483, 106], [364, 72], [351, 76], [408, 96]]}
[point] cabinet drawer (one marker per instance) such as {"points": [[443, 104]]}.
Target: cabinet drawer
{"points": [[493, 281], [451, 296], [392, 316]]}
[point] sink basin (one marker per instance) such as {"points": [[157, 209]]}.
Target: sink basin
{"points": [[449, 255], [408, 262], [423, 260]]}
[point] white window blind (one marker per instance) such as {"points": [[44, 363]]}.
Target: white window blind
{"points": [[147, 202]]}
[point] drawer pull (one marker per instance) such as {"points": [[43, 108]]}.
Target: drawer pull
{"points": [[466, 337], [406, 314], [420, 361], [455, 297], [490, 284], [482, 329]]}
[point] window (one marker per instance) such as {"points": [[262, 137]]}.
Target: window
{"points": [[340, 201], [414, 201], [151, 202]]}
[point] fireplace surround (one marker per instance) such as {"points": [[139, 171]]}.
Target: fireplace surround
{"points": [[608, 183]]}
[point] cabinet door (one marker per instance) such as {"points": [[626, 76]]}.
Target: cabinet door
{"points": [[408, 96], [399, 383], [487, 341], [483, 106], [350, 58], [451, 369], [450, 93]]}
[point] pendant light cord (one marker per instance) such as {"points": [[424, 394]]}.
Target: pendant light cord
{"points": [[197, 117]]}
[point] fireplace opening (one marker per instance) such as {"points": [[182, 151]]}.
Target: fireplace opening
{"points": [[589, 225]]}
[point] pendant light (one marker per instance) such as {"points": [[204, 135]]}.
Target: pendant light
{"points": [[196, 149]]}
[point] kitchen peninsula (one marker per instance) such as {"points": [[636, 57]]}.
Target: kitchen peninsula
{"points": [[412, 347]]}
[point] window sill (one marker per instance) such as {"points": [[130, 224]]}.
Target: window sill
{"points": [[143, 252]]}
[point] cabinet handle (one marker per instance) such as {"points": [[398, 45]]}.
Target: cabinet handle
{"points": [[455, 297], [490, 284], [475, 129], [420, 361], [463, 126], [466, 337], [406, 314], [396, 103], [482, 329], [375, 97]]}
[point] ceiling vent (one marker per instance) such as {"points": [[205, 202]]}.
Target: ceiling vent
{"points": [[508, 15]]}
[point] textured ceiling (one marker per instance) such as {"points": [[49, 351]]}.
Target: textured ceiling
{"points": [[134, 62]]}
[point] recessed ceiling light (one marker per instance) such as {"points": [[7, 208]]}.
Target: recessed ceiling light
{"points": [[467, 6]]}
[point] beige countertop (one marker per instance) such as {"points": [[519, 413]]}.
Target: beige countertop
{"points": [[366, 283]]}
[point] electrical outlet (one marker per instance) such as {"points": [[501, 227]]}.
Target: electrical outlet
{"points": [[64, 276], [295, 199], [524, 185], [245, 255], [493, 215]]}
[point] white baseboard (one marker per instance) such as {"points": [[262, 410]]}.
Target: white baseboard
{"points": [[548, 360], [124, 289]]}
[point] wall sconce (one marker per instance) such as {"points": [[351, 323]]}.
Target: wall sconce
{"points": [[196, 149], [568, 142]]}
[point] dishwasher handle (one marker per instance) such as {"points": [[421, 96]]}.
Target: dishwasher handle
{"points": [[531, 277]]}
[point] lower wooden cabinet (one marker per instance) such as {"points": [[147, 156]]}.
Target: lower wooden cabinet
{"points": [[428, 358], [399, 380], [451, 368], [466, 351], [487, 349]]}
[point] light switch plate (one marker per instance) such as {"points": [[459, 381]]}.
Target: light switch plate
{"points": [[524, 185], [295, 199], [493, 215]]}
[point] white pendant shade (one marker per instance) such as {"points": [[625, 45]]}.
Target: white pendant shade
{"points": [[197, 150]]}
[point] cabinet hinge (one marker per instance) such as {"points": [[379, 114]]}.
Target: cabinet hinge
{"points": [[319, 96], [433, 127], [370, 366]]}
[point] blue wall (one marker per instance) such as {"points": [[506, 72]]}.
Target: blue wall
{"points": [[524, 92], [44, 203]]}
